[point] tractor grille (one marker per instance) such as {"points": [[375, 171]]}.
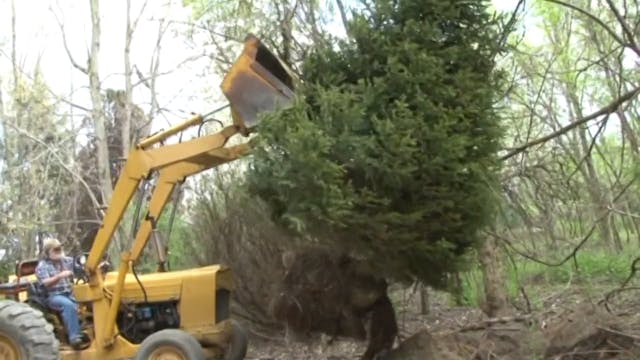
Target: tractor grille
{"points": [[223, 297]]}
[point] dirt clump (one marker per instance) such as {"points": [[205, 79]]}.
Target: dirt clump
{"points": [[421, 346], [588, 332], [581, 332], [495, 338]]}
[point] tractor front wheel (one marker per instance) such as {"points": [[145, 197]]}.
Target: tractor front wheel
{"points": [[25, 334], [170, 344], [237, 349]]}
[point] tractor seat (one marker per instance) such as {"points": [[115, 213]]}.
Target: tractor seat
{"points": [[26, 281], [26, 267], [21, 282]]}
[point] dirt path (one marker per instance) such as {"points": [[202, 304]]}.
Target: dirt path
{"points": [[566, 325]]}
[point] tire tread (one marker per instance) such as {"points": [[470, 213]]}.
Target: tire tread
{"points": [[30, 329]]}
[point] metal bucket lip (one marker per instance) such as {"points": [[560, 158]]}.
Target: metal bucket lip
{"points": [[257, 81], [276, 73]]}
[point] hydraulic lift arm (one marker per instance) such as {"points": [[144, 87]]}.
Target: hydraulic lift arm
{"points": [[172, 175], [140, 163], [256, 82]]}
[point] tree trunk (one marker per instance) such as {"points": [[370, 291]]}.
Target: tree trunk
{"points": [[2, 117], [493, 278], [12, 147], [343, 15], [594, 186], [424, 299], [126, 121], [458, 296], [97, 112], [14, 60]]}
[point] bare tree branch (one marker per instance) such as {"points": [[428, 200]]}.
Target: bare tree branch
{"points": [[584, 240], [72, 104], [144, 80], [591, 146], [137, 19], [624, 213], [154, 66], [625, 27], [592, 17], [62, 162], [608, 109], [75, 64], [510, 24], [49, 90], [623, 286], [545, 76]]}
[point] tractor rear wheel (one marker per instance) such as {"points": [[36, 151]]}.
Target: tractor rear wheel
{"points": [[237, 349], [170, 344], [25, 334]]}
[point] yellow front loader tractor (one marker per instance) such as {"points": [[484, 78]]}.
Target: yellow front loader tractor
{"points": [[165, 314]]}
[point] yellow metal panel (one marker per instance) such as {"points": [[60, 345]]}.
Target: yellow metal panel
{"points": [[126, 186], [196, 120], [162, 286], [86, 293], [157, 289], [170, 154], [197, 305], [121, 349]]}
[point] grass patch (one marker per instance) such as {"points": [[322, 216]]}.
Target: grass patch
{"points": [[589, 268]]}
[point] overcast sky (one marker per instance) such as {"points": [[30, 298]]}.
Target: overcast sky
{"points": [[190, 88], [39, 37]]}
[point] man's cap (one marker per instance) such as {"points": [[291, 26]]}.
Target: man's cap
{"points": [[49, 244]]}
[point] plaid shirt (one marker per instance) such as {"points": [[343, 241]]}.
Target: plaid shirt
{"points": [[47, 268]]}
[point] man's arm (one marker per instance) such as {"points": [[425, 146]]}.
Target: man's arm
{"points": [[49, 281], [52, 280]]}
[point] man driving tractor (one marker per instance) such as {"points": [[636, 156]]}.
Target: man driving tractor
{"points": [[55, 273], [179, 314]]}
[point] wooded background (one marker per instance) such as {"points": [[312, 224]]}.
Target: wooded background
{"points": [[569, 205]]}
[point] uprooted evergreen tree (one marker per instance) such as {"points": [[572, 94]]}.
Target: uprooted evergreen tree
{"points": [[390, 152]]}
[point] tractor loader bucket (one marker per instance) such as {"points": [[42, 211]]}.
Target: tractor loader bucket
{"points": [[256, 82]]}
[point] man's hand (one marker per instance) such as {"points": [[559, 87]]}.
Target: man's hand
{"points": [[50, 281], [65, 274]]}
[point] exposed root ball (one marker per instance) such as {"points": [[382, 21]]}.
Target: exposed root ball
{"points": [[333, 294]]}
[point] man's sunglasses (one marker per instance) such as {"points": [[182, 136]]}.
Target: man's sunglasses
{"points": [[57, 249]]}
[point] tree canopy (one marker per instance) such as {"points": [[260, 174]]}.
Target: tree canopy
{"points": [[390, 150]]}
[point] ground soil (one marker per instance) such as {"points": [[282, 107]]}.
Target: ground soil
{"points": [[567, 323]]}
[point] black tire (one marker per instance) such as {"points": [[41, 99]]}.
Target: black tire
{"points": [[238, 345], [25, 329], [177, 340]]}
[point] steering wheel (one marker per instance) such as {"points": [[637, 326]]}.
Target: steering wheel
{"points": [[78, 267]]}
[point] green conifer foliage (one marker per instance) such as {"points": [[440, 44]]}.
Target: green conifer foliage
{"points": [[390, 150]]}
